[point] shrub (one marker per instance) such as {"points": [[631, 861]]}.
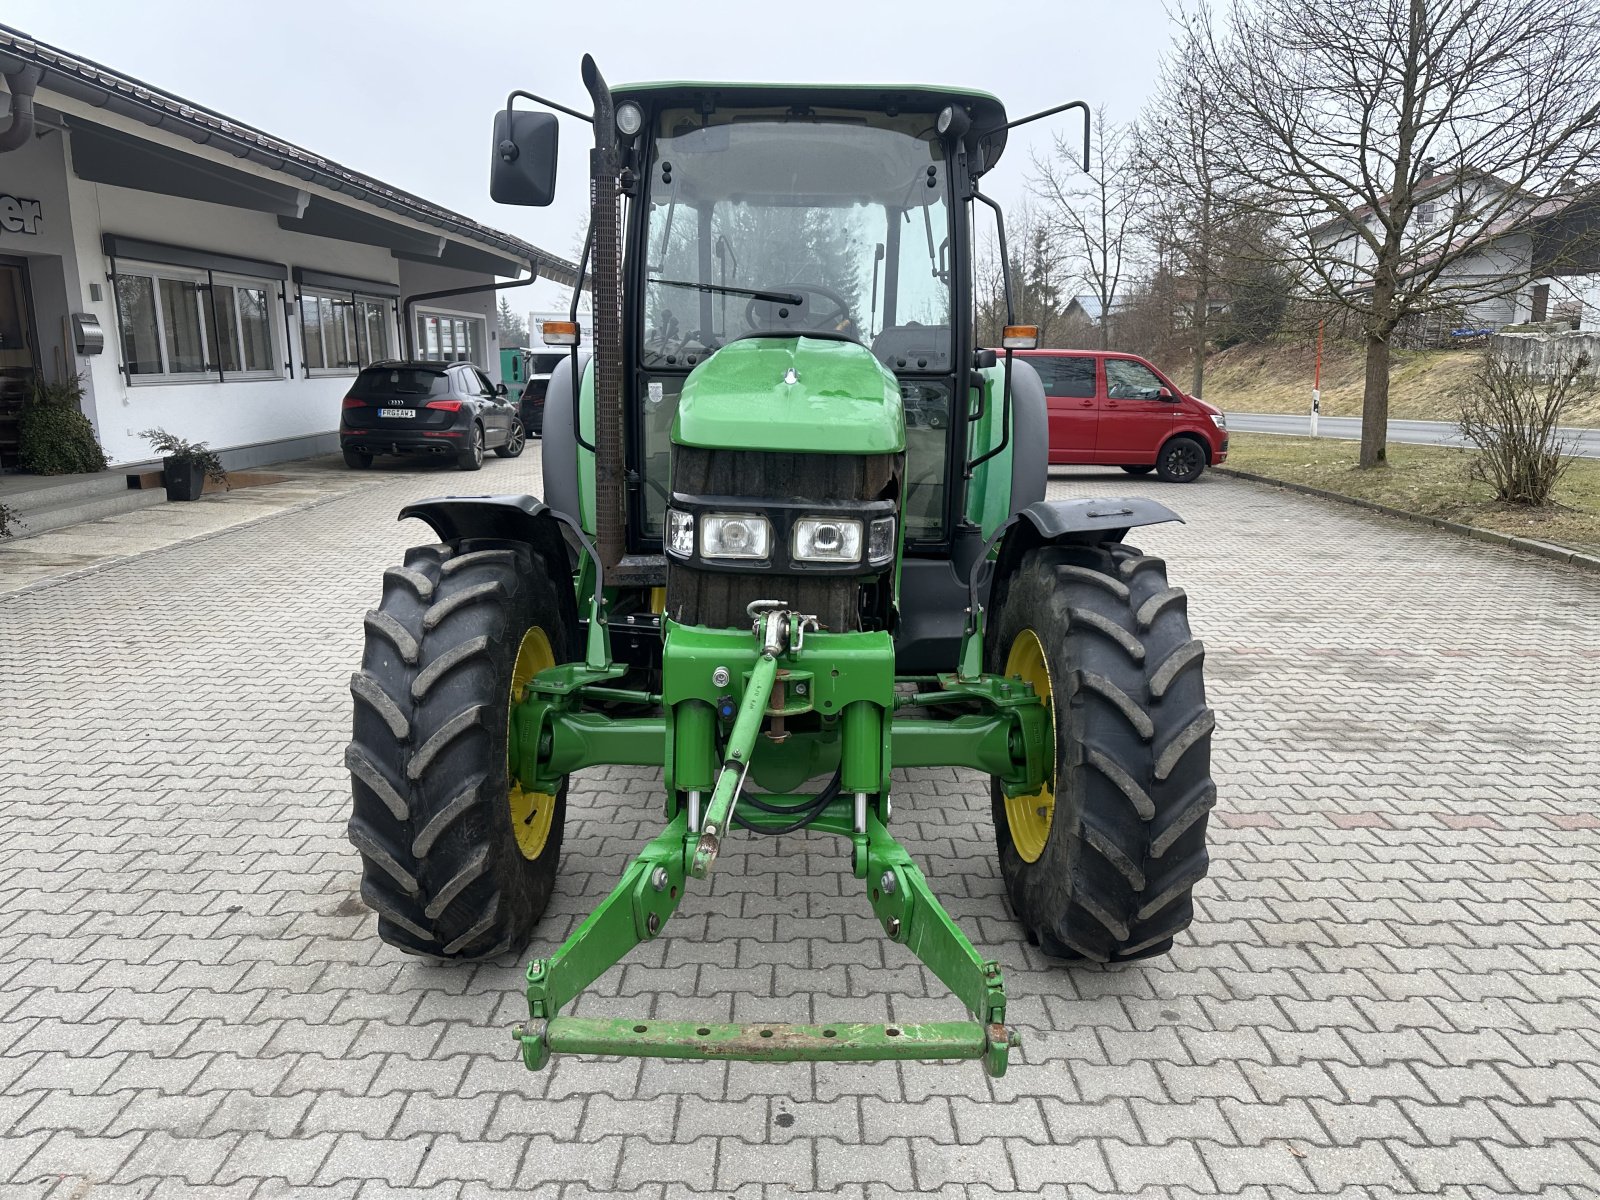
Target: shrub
{"points": [[8, 518], [170, 445], [55, 437], [1513, 417]]}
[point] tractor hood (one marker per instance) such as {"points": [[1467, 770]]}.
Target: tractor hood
{"points": [[793, 394]]}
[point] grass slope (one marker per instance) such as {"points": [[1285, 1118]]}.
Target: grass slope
{"points": [[1423, 384], [1431, 480]]}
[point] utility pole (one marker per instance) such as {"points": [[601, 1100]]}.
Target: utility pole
{"points": [[1316, 384]]}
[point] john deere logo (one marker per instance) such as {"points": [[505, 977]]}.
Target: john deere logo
{"points": [[20, 216]]}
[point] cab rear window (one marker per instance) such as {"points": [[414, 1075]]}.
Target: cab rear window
{"points": [[376, 383]]}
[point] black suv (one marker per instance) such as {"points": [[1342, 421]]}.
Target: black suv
{"points": [[428, 408]]}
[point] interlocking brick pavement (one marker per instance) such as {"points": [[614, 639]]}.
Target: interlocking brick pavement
{"points": [[1393, 986]]}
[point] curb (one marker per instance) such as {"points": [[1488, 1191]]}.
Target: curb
{"points": [[1561, 554]]}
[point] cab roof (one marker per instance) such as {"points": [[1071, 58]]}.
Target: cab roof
{"points": [[987, 112]]}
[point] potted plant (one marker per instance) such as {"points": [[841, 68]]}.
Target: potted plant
{"points": [[185, 466]]}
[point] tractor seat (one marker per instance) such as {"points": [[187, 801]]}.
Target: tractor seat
{"points": [[913, 347]]}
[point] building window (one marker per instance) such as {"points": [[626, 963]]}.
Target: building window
{"points": [[177, 325], [450, 337], [343, 331], [242, 341], [373, 317]]}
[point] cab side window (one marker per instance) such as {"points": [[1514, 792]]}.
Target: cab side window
{"points": [[1127, 380]]}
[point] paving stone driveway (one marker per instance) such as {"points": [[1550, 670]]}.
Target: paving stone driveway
{"points": [[1393, 986]]}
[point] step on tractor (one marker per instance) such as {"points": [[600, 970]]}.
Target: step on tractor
{"points": [[794, 536]]}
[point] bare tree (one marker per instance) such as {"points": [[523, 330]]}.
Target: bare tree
{"points": [[1093, 212], [1040, 276], [1401, 141], [1194, 204]]}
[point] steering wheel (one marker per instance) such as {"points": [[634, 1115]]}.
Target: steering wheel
{"points": [[835, 320]]}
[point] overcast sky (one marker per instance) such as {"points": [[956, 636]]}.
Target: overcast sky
{"points": [[406, 91]]}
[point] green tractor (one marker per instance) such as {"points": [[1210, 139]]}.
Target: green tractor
{"points": [[794, 535]]}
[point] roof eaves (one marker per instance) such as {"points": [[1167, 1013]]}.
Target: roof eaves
{"points": [[100, 86]]}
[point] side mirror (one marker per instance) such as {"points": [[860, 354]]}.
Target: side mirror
{"points": [[983, 359], [1165, 394], [499, 389], [523, 170]]}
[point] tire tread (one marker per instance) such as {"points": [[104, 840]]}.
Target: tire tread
{"points": [[1127, 843], [440, 863]]}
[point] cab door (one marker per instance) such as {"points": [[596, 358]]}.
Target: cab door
{"points": [[1072, 400], [1135, 416]]}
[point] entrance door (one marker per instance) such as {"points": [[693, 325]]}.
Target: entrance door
{"points": [[17, 354]]}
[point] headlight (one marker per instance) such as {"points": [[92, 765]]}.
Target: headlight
{"points": [[680, 533], [1220, 420], [880, 541], [734, 535], [827, 539]]}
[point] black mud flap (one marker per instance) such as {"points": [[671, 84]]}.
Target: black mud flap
{"points": [[1087, 521], [526, 519]]}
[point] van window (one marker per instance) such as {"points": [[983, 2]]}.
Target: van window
{"points": [[1127, 380], [1064, 375]]}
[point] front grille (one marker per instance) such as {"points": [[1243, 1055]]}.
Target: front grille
{"points": [[718, 598]]}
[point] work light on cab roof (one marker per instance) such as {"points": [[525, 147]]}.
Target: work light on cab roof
{"points": [[794, 536]]}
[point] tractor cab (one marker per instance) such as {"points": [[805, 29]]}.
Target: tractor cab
{"points": [[825, 213]]}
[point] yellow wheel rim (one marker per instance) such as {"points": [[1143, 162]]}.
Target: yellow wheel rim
{"points": [[1029, 817], [532, 813]]}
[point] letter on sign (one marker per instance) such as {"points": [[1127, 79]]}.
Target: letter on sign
{"points": [[19, 215]]}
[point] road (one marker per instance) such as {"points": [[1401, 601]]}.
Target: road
{"points": [[1392, 987], [1584, 442]]}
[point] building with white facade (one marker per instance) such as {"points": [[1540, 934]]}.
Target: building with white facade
{"points": [[1526, 257], [202, 276]]}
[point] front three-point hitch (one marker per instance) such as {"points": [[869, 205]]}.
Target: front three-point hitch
{"points": [[727, 687]]}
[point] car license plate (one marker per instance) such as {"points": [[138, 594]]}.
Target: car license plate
{"points": [[397, 412]]}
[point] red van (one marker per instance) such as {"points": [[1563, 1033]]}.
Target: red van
{"points": [[1118, 409]]}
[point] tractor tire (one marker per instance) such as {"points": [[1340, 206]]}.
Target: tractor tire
{"points": [[457, 861], [1100, 863]]}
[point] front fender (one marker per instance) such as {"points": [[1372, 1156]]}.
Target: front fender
{"points": [[525, 519], [1085, 521], [1106, 518]]}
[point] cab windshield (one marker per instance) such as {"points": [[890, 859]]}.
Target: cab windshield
{"points": [[784, 222]]}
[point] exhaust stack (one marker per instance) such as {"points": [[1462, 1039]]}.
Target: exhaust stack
{"points": [[605, 228]]}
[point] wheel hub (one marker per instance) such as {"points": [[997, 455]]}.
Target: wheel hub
{"points": [[532, 813], [1029, 817]]}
